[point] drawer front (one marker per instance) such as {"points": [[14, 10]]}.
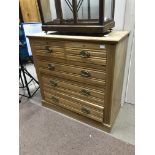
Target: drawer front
{"points": [[70, 44], [70, 62], [83, 95], [78, 78], [86, 91], [47, 42], [84, 55], [83, 72], [85, 110], [68, 57], [86, 45]]}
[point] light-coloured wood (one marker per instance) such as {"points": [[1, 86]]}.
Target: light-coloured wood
{"points": [[71, 51], [73, 58], [120, 57], [97, 110], [26, 8], [74, 86], [78, 78], [113, 37], [105, 84], [98, 74], [85, 98], [70, 62], [74, 107]]}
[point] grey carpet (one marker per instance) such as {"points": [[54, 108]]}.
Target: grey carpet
{"points": [[46, 132]]}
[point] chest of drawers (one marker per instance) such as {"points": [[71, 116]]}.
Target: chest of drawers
{"points": [[80, 76]]}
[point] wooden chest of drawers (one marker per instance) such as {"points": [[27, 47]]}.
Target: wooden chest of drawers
{"points": [[81, 76]]}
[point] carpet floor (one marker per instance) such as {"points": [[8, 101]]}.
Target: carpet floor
{"points": [[46, 132]]}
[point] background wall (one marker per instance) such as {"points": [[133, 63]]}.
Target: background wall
{"points": [[125, 20]]}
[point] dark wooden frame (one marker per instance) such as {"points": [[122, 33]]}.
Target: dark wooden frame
{"points": [[79, 27]]}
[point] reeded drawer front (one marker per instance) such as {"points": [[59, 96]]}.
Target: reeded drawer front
{"points": [[83, 95], [47, 42], [74, 106], [86, 45], [84, 55], [94, 60], [74, 77], [70, 62], [87, 91], [83, 72], [70, 44]]}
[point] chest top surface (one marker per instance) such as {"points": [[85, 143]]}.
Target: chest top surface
{"points": [[114, 36]]}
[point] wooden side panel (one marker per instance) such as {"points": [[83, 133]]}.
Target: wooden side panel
{"points": [[109, 80], [37, 68], [30, 11], [119, 67]]}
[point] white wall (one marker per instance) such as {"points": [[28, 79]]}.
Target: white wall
{"points": [[119, 18], [125, 20], [129, 24]]}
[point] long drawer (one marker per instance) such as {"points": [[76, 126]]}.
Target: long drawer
{"points": [[90, 60], [78, 78], [87, 111], [84, 95], [86, 91], [82, 71], [70, 62]]}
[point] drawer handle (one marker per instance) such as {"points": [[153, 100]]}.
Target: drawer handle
{"points": [[51, 66], [85, 110], [55, 99], [49, 50], [85, 73], [53, 83], [84, 54], [85, 92]]}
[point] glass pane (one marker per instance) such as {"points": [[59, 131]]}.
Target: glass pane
{"points": [[88, 11], [48, 9], [67, 11], [108, 10]]}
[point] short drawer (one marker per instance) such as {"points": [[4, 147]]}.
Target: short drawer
{"points": [[83, 53], [47, 42], [86, 45], [82, 71], [85, 110], [84, 90], [89, 56]]}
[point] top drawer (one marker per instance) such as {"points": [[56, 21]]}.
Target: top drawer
{"points": [[79, 52], [70, 44]]}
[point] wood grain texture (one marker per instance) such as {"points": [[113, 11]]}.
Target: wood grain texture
{"points": [[95, 92], [73, 106], [97, 74], [88, 98], [113, 37], [119, 67], [64, 69], [26, 8]]}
